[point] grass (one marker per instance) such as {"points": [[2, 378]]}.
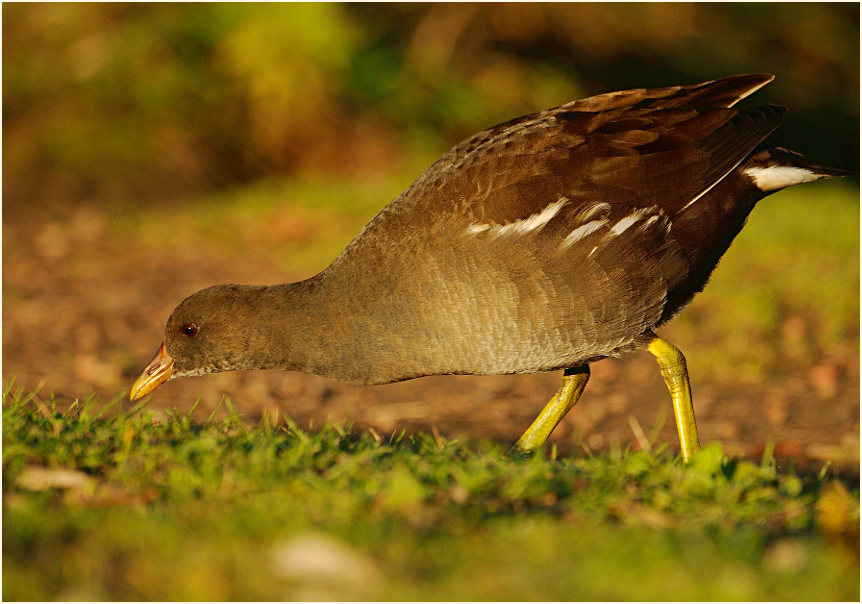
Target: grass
{"points": [[108, 504]]}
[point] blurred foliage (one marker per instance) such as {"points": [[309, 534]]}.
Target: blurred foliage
{"points": [[121, 101]]}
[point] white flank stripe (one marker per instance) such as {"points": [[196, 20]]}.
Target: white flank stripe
{"points": [[629, 220], [537, 221], [525, 225], [593, 210], [778, 177], [582, 231]]}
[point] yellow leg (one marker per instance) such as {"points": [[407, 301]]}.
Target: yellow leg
{"points": [[673, 370], [574, 380]]}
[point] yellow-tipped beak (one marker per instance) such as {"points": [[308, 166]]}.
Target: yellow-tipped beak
{"points": [[159, 370]]}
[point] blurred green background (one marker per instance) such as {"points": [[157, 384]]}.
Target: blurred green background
{"points": [[138, 102]]}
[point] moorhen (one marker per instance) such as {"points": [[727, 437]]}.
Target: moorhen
{"points": [[547, 242]]}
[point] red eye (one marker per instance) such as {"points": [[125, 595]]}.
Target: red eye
{"points": [[189, 329]]}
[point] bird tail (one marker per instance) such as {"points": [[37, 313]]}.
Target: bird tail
{"points": [[774, 168]]}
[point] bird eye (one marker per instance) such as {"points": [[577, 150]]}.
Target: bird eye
{"points": [[189, 329]]}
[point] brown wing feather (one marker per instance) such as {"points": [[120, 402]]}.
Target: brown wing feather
{"points": [[724, 92], [681, 162]]}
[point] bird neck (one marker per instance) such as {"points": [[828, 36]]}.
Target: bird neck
{"points": [[320, 332]]}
